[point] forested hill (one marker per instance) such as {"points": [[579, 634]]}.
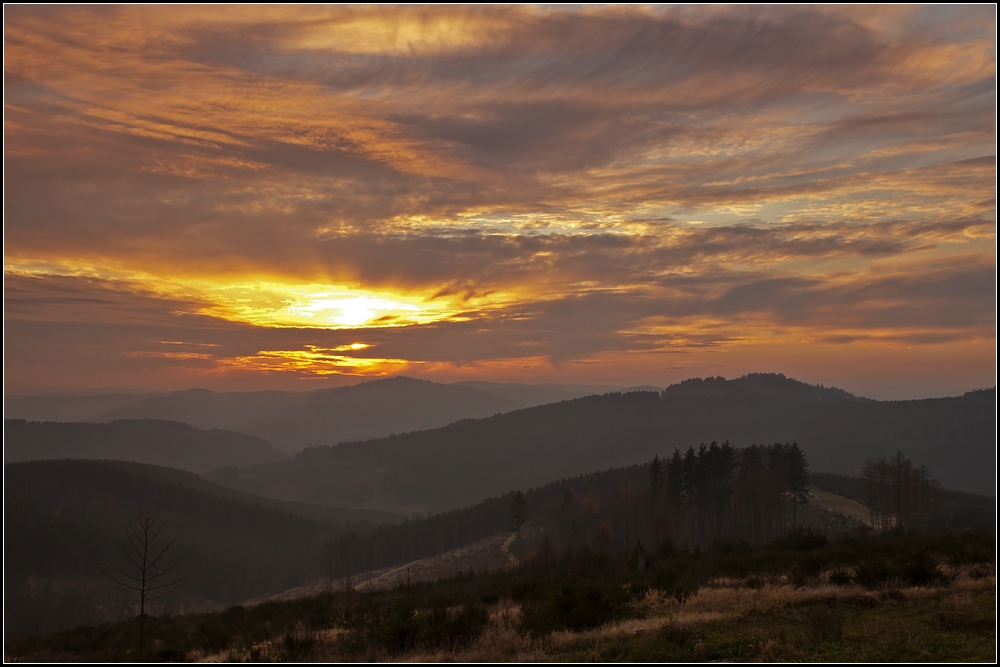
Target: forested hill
{"points": [[62, 518], [155, 441], [472, 459]]}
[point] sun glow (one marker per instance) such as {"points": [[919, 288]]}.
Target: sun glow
{"points": [[271, 303], [328, 307], [317, 362]]}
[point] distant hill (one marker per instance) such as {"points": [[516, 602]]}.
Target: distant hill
{"points": [[46, 408], [468, 460], [155, 441], [295, 420], [530, 395]]}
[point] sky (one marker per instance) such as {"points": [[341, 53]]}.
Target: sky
{"points": [[244, 198]]}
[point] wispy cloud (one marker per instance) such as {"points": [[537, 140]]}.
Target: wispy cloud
{"points": [[505, 189]]}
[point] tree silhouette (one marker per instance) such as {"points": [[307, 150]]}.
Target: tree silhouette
{"points": [[898, 494], [518, 515], [722, 492], [798, 478], [656, 478], [146, 575]]}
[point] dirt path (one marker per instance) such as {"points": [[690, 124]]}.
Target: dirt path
{"points": [[506, 549], [491, 554]]}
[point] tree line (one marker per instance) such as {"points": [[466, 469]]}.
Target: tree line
{"points": [[899, 494], [722, 492], [692, 499], [709, 493]]}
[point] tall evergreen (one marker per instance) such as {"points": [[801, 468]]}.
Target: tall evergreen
{"points": [[798, 478], [675, 491], [657, 481], [656, 477]]}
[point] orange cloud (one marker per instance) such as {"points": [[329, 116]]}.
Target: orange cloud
{"points": [[494, 188]]}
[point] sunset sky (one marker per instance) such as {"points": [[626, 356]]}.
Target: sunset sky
{"points": [[294, 198]]}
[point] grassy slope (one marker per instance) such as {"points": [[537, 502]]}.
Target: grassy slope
{"points": [[715, 606]]}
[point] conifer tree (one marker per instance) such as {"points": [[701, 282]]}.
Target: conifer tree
{"points": [[798, 478]]}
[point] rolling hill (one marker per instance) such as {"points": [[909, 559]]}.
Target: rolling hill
{"points": [[62, 518], [156, 441], [292, 421], [470, 459]]}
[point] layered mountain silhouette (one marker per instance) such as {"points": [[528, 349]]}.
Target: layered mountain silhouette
{"points": [[156, 441], [474, 458], [292, 421]]}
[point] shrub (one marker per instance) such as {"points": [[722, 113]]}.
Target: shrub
{"points": [[575, 606], [298, 647], [840, 577], [921, 570], [806, 569], [450, 628], [400, 629], [873, 572], [803, 539]]}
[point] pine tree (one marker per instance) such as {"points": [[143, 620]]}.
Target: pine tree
{"points": [[675, 493], [656, 483], [798, 478], [656, 478], [518, 515]]}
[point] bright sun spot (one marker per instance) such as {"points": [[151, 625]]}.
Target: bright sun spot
{"points": [[352, 311], [272, 304]]}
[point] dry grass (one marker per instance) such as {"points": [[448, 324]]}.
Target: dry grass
{"points": [[724, 600], [497, 644]]}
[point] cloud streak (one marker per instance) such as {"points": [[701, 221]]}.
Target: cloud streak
{"points": [[512, 188]]}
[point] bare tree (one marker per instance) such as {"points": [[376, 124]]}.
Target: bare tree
{"points": [[146, 573], [899, 494]]}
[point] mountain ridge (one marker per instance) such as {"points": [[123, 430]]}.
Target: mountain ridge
{"points": [[475, 457], [153, 441]]}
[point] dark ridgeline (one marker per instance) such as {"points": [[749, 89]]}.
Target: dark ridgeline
{"points": [[154, 441], [457, 465]]}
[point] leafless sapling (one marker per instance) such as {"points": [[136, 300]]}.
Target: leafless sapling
{"points": [[145, 573]]}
